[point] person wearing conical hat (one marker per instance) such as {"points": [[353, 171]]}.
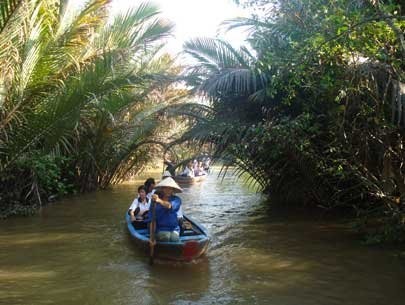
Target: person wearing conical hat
{"points": [[180, 211], [153, 189], [167, 206]]}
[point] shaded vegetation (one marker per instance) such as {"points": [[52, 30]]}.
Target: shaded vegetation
{"points": [[313, 108]]}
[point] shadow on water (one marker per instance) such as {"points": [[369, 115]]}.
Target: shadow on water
{"points": [[77, 251], [167, 282]]}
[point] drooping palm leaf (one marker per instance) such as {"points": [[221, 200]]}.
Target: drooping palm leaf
{"points": [[7, 10], [221, 69]]}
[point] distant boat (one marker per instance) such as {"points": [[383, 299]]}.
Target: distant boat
{"points": [[193, 242], [189, 180]]}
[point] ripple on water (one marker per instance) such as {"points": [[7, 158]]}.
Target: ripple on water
{"points": [[77, 251]]}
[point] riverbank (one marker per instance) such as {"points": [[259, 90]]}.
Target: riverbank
{"points": [[368, 233], [13, 208]]}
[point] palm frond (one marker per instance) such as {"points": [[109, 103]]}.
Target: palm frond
{"points": [[216, 52], [253, 24], [221, 69], [75, 26], [137, 28], [7, 9]]}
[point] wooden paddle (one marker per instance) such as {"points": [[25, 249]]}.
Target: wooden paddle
{"points": [[152, 228]]}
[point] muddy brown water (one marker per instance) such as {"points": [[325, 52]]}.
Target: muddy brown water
{"points": [[77, 252]]}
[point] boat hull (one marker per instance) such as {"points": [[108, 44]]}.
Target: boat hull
{"points": [[189, 180], [189, 248]]}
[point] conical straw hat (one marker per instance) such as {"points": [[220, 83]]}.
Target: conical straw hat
{"points": [[169, 182]]}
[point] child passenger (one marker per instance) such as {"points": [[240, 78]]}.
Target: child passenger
{"points": [[139, 209]]}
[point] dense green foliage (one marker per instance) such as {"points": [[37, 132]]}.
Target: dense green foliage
{"points": [[81, 95], [313, 109]]}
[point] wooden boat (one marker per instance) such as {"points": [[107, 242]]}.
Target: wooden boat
{"points": [[189, 180], [193, 242]]}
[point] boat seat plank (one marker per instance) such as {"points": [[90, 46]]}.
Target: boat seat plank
{"points": [[189, 232], [185, 238], [185, 233], [191, 237]]}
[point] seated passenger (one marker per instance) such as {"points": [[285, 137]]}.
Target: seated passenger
{"points": [[139, 209], [188, 171], [149, 187], [206, 163], [167, 206], [201, 170], [196, 168]]}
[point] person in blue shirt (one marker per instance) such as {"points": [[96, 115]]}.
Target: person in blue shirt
{"points": [[166, 207]]}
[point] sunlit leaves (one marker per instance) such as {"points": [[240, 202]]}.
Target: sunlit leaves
{"points": [[72, 83]]}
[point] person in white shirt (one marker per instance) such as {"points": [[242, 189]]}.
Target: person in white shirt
{"points": [[139, 209], [188, 171], [196, 169], [200, 170], [206, 164]]}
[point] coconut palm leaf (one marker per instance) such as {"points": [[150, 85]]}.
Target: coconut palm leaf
{"points": [[137, 28], [7, 9], [221, 69], [99, 77], [75, 26], [253, 24]]}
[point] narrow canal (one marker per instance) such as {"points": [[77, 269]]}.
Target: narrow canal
{"points": [[77, 252]]}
